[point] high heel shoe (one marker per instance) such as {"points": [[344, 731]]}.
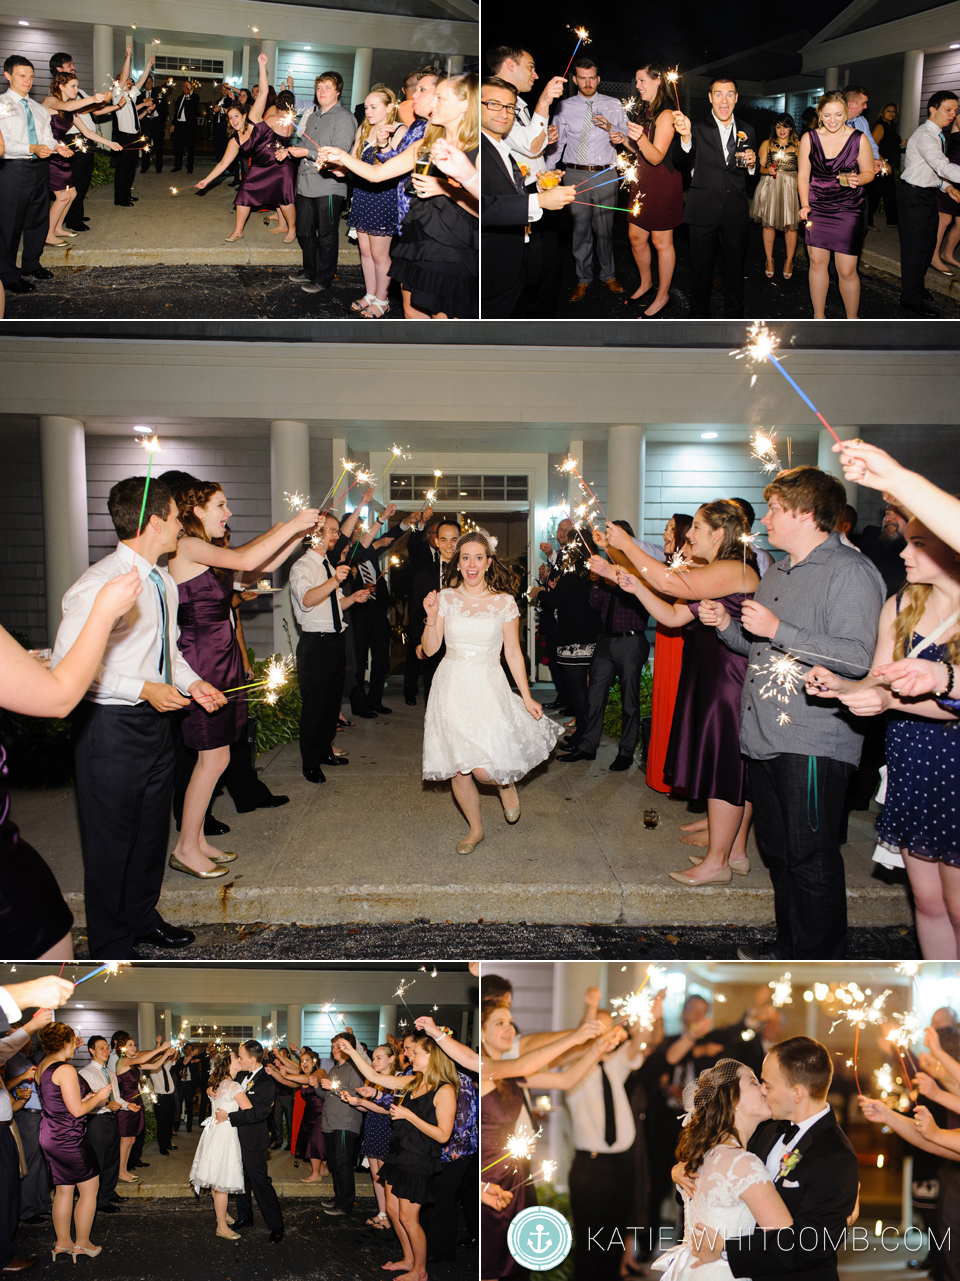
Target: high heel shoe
{"points": [[467, 847], [177, 866], [61, 1249], [741, 867], [657, 314], [769, 274], [91, 1251], [788, 275], [683, 878]]}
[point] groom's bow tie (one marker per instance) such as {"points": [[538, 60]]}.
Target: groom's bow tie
{"points": [[788, 1131]]}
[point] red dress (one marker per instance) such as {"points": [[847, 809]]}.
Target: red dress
{"points": [[667, 660]]}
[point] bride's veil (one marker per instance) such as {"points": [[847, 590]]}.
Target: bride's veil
{"points": [[699, 1093]]}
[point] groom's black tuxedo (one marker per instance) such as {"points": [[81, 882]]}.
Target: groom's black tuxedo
{"points": [[820, 1192], [253, 1132]]}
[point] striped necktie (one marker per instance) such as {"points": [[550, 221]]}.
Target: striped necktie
{"points": [[584, 143]]}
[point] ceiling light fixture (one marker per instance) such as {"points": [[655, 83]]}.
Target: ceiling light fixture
{"points": [[709, 435]]}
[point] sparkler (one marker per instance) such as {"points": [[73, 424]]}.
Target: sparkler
{"points": [[782, 991], [393, 562], [397, 452], [630, 104], [590, 204], [859, 1015], [111, 968], [677, 565], [569, 468], [673, 76], [761, 346], [518, 1146], [747, 540], [256, 32], [582, 38], [884, 1079], [278, 671], [174, 191], [783, 675], [296, 501], [404, 984], [152, 446], [909, 1029], [763, 447], [432, 973], [639, 1007], [546, 1172]]}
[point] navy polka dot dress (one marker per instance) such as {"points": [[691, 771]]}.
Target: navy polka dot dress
{"points": [[373, 205], [921, 812]]}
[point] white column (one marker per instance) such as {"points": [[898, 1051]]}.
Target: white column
{"points": [[827, 460], [575, 496], [63, 467], [362, 65], [295, 1025], [245, 67], [388, 1022], [146, 1025], [270, 49], [831, 79], [103, 68], [455, 64], [274, 1030], [570, 979], [289, 473], [626, 458], [168, 1025], [910, 95]]}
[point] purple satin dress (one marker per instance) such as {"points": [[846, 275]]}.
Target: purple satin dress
{"points": [[209, 644], [703, 755], [63, 1136], [499, 1113], [266, 184], [310, 1136], [61, 175], [836, 213], [131, 1123]]}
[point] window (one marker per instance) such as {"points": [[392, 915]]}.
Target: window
{"points": [[454, 490]]}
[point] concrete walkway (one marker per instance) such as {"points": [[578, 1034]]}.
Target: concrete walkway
{"points": [[375, 844], [186, 229], [881, 250]]}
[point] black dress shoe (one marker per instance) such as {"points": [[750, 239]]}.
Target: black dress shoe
{"points": [[334, 760], [921, 309], [167, 936], [21, 286], [142, 1165], [115, 1196], [41, 273], [929, 296], [270, 802], [242, 1223], [314, 775], [124, 204], [35, 1218], [383, 711], [80, 227], [276, 1236], [621, 763], [577, 755], [326, 1201], [176, 168], [105, 1209], [410, 702], [366, 716], [213, 827]]}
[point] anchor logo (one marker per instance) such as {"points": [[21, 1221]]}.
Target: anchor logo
{"points": [[539, 1238], [541, 1247]]}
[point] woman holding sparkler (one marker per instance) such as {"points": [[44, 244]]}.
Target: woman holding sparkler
{"points": [[270, 181], [204, 569], [703, 755], [919, 815], [218, 1164], [373, 208], [835, 164], [131, 1064], [377, 1126], [63, 89], [66, 1101], [776, 201], [475, 728], [578, 623], [656, 194], [309, 1145]]}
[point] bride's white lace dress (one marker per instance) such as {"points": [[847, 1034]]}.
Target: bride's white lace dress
{"points": [[474, 720], [722, 1179], [217, 1163]]}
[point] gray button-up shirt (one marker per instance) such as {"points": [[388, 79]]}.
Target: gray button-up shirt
{"points": [[338, 1115], [334, 128], [829, 608]]}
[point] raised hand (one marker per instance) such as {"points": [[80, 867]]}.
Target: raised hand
{"points": [[117, 596], [682, 125], [589, 1029], [431, 604], [262, 59], [426, 1024], [306, 519]]}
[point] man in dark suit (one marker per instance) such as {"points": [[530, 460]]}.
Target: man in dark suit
{"points": [[814, 1168], [183, 127], [722, 150], [421, 554], [510, 238], [253, 1130], [370, 622], [430, 579], [153, 114]]}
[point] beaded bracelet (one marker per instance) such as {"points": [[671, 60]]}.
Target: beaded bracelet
{"points": [[948, 688]]}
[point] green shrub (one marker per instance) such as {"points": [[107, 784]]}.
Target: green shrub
{"points": [[102, 168], [279, 722]]}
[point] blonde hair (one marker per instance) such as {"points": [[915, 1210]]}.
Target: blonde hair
{"points": [[389, 99], [441, 1070], [915, 599], [833, 95], [467, 89]]}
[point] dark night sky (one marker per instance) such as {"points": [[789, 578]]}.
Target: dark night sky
{"points": [[626, 35]]}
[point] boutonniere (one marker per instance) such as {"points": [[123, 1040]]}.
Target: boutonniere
{"points": [[788, 1163], [524, 169], [245, 1088], [741, 136]]}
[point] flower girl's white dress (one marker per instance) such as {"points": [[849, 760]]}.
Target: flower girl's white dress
{"points": [[218, 1164]]}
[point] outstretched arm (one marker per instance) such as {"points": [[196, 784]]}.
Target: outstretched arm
{"points": [[543, 1055], [574, 1074], [256, 111]]}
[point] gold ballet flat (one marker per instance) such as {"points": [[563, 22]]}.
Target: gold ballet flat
{"points": [[467, 847], [202, 876], [741, 867], [225, 856], [511, 815], [683, 878]]}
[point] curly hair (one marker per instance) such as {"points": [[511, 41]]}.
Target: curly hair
{"points": [[499, 576], [220, 1069], [198, 495], [711, 1123], [54, 1036], [728, 515], [56, 84]]}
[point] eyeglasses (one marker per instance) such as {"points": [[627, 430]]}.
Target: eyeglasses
{"points": [[497, 107]]}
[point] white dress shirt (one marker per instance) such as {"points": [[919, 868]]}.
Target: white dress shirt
{"points": [[585, 1103], [127, 119], [97, 1076], [12, 1043], [9, 1006], [775, 1154], [534, 210], [133, 653], [308, 572], [13, 126], [85, 116], [157, 1078], [925, 164], [182, 113], [526, 129], [725, 131]]}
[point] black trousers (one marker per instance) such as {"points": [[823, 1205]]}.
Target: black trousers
{"points": [[81, 171], [454, 1183], [24, 206], [35, 1185], [340, 1146], [124, 167], [257, 1181], [282, 1110], [623, 656], [187, 1094], [731, 240], [321, 671], [318, 223], [165, 1109], [184, 137], [154, 131], [511, 300], [883, 187], [124, 772], [798, 807], [9, 1192], [543, 293], [600, 1200], [104, 1135], [575, 677], [411, 663], [371, 635], [917, 207]]}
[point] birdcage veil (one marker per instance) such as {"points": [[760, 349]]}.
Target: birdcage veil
{"points": [[699, 1093]]}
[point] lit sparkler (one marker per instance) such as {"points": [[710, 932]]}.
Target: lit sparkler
{"points": [[763, 447], [546, 1172], [783, 674], [174, 191], [639, 1008], [629, 104], [404, 984], [152, 446], [393, 562], [673, 76], [859, 1015], [782, 990], [676, 564], [432, 973], [397, 452], [569, 468], [760, 346], [277, 673], [296, 501], [335, 1084], [256, 32], [884, 1079], [582, 38], [109, 969]]}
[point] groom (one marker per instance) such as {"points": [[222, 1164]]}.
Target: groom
{"points": [[814, 1169], [254, 1135]]}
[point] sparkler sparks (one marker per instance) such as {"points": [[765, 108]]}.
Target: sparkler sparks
{"points": [[569, 468], [763, 447], [672, 77], [432, 973], [884, 1079], [783, 674], [277, 673], [859, 1015], [761, 346], [109, 969], [174, 191], [782, 990], [582, 38]]}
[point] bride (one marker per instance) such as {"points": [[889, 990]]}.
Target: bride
{"points": [[217, 1163], [475, 728], [735, 1193]]}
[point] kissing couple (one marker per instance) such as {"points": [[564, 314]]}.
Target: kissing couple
{"points": [[769, 1180]]}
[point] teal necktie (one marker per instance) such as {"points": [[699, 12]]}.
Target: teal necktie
{"points": [[165, 665], [31, 127]]}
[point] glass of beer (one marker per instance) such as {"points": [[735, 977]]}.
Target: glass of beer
{"points": [[422, 163], [844, 178], [650, 818]]}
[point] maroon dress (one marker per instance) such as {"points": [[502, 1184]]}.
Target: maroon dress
{"points": [[209, 644], [659, 188], [704, 751], [63, 1136], [499, 1113], [131, 1123], [60, 173], [266, 183], [836, 213]]}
